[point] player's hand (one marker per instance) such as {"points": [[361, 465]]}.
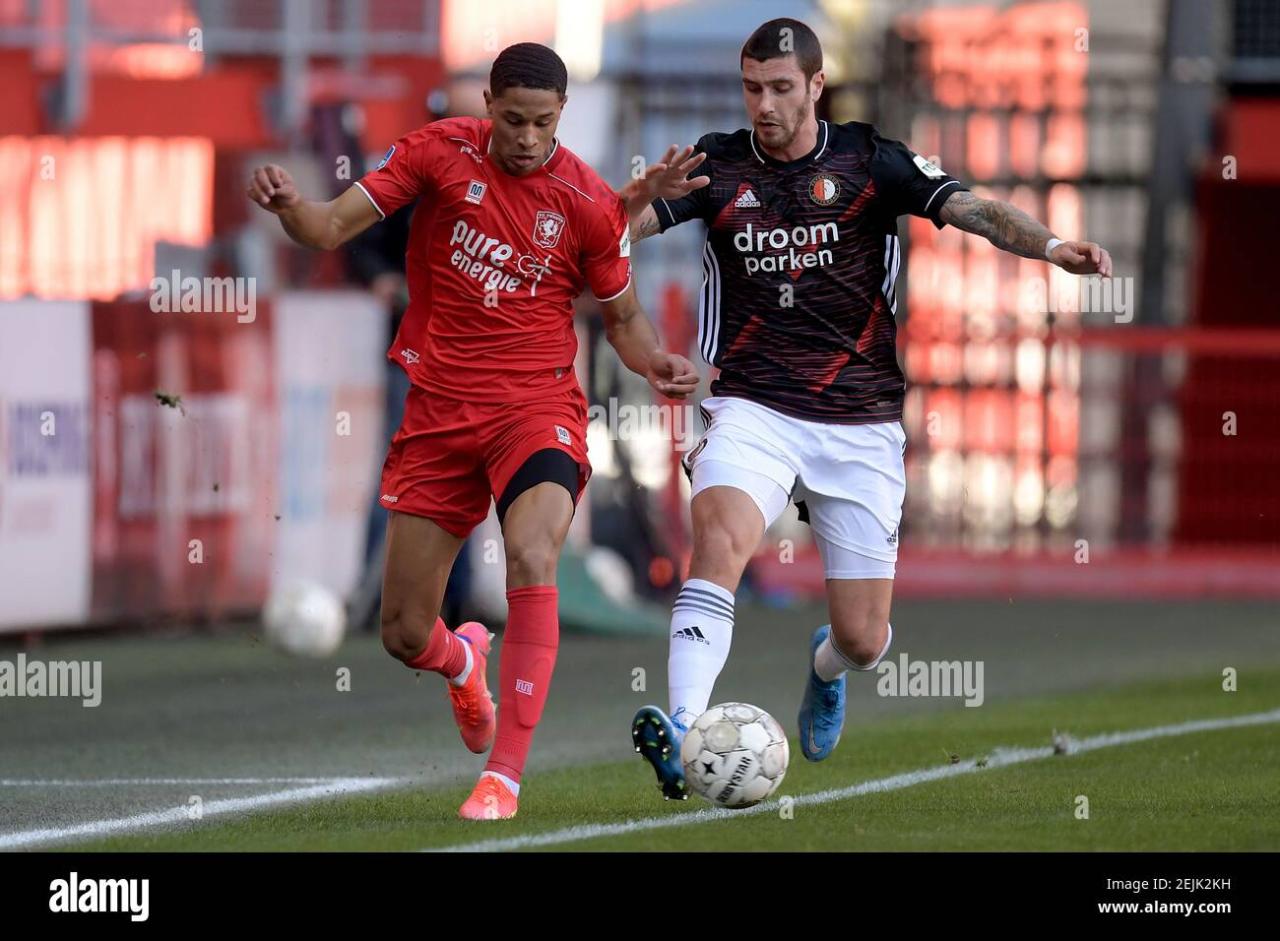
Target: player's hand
{"points": [[272, 188], [672, 374], [1082, 258], [669, 177]]}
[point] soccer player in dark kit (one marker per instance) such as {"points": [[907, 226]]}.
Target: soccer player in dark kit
{"points": [[797, 311]]}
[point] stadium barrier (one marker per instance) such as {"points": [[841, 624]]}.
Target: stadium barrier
{"points": [[181, 464]]}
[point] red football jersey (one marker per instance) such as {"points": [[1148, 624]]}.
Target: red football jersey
{"points": [[495, 261]]}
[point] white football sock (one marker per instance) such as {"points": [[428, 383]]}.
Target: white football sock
{"points": [[701, 632], [461, 678], [829, 662], [512, 785]]}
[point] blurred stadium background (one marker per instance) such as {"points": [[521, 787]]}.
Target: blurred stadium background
{"points": [[1071, 445]]}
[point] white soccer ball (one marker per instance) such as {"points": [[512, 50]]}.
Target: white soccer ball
{"points": [[735, 755], [305, 619]]}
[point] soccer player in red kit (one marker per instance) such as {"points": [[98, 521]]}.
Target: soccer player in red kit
{"points": [[510, 228]]}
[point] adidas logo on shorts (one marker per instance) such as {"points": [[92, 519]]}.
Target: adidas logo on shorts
{"points": [[692, 633]]}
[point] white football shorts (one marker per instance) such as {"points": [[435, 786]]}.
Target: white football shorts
{"points": [[850, 478]]}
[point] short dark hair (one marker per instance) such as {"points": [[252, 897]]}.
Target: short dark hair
{"points": [[783, 37], [528, 65]]}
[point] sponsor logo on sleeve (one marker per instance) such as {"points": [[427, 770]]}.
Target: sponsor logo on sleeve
{"points": [[928, 168], [386, 157]]}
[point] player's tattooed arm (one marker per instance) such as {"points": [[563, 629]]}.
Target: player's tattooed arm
{"points": [[631, 334], [1004, 226], [1010, 229], [315, 225], [646, 225]]}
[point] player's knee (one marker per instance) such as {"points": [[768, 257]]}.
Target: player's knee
{"points": [[724, 548], [532, 562], [863, 650], [399, 638], [860, 635]]}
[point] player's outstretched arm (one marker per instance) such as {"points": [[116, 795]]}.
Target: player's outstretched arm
{"points": [[315, 225], [666, 179], [636, 342], [1012, 230]]}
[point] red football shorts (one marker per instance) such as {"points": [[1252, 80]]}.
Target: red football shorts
{"points": [[449, 458]]}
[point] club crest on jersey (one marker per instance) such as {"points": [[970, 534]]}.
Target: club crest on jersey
{"points": [[547, 227], [386, 158], [824, 189]]}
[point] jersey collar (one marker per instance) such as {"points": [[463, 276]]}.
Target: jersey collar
{"points": [[553, 158], [824, 135]]}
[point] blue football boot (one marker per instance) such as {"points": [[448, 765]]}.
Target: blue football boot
{"points": [[822, 710], [657, 737]]}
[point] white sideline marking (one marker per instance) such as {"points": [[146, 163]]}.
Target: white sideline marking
{"points": [[999, 758], [149, 782], [332, 787]]}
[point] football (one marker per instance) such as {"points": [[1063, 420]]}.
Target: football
{"points": [[735, 755], [304, 619]]}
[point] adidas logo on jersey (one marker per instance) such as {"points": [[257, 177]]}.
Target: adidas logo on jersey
{"points": [[747, 200], [692, 633]]}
